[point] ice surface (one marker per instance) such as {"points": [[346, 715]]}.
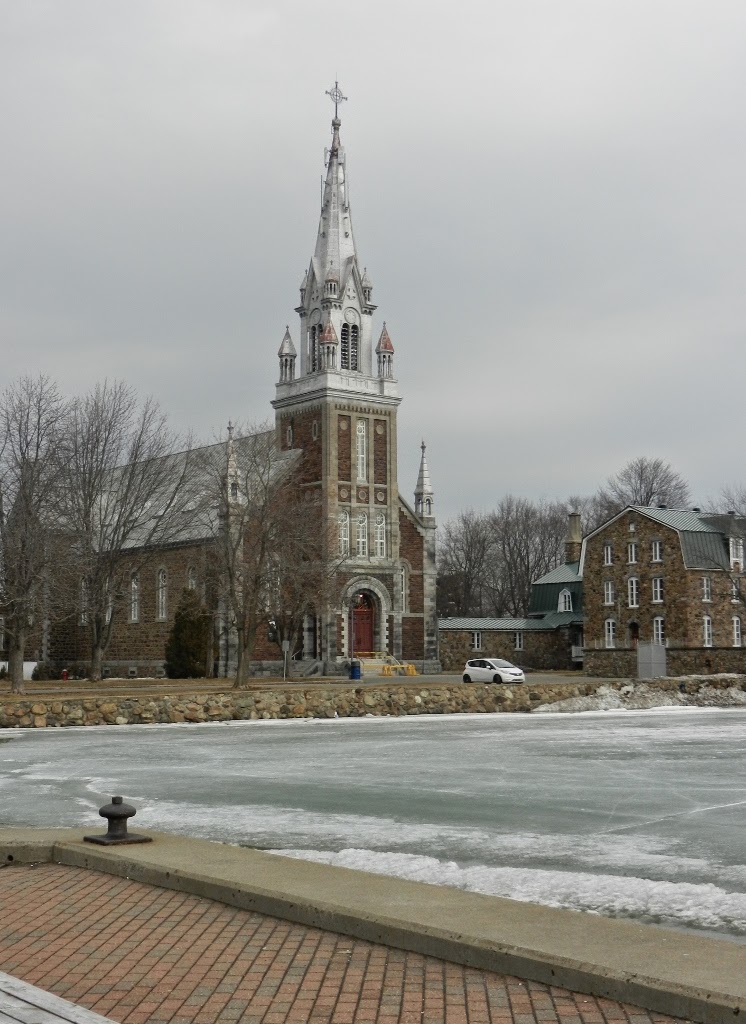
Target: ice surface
{"points": [[626, 813]]}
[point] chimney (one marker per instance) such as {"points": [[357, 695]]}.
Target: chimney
{"points": [[574, 539]]}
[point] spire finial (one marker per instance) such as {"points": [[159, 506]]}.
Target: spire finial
{"points": [[230, 431], [337, 97]]}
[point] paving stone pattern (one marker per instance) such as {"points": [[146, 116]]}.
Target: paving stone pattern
{"points": [[138, 954]]}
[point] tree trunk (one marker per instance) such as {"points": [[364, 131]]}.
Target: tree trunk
{"points": [[15, 662], [97, 663]]}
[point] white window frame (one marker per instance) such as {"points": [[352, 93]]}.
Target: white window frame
{"points": [[162, 595], [656, 551], [657, 585], [361, 450], [633, 592], [609, 592], [608, 554], [135, 597], [343, 532], [737, 631], [707, 589], [632, 552], [518, 640], [736, 552], [659, 630], [361, 535], [706, 631], [476, 640], [610, 634], [380, 535], [564, 604], [191, 578]]}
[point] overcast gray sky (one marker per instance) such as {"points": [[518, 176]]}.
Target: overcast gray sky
{"points": [[549, 198]]}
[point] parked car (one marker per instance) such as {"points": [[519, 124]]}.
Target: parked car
{"points": [[492, 670]]}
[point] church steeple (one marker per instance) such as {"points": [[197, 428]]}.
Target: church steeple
{"points": [[424, 498]]}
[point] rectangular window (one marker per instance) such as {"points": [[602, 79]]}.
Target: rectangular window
{"points": [[476, 641], [608, 554], [610, 633], [659, 630], [380, 535], [632, 552], [135, 598], [343, 525], [656, 553], [162, 599], [657, 590], [361, 451], [608, 591], [706, 588], [736, 631], [633, 592], [707, 631], [518, 641]]}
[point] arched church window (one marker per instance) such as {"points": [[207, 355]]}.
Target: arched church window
{"points": [[162, 602], [381, 535], [135, 598], [192, 578], [565, 602], [313, 348], [428, 507], [361, 535], [344, 347], [354, 346], [83, 602], [343, 526], [361, 451]]}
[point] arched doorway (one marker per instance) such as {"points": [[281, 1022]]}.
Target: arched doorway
{"points": [[363, 624]]}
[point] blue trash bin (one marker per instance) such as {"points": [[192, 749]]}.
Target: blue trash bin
{"points": [[355, 669]]}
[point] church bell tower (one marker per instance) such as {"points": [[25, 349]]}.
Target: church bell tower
{"points": [[336, 400]]}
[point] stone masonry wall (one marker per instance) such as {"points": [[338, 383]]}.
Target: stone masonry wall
{"points": [[395, 699], [541, 650]]}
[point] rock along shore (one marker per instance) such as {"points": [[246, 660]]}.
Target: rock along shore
{"points": [[388, 699]]}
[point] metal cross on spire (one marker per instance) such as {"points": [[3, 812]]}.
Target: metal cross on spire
{"points": [[336, 96]]}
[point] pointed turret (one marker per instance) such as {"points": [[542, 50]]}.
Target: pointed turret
{"points": [[424, 498], [385, 354], [231, 467], [287, 356]]}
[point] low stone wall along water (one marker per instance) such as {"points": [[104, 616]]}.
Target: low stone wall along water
{"points": [[337, 701]]}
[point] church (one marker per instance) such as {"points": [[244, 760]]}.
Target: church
{"points": [[336, 401], [336, 405]]}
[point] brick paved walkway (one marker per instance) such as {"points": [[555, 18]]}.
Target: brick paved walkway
{"points": [[140, 954]]}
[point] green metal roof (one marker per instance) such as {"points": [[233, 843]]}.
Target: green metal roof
{"points": [[704, 550], [485, 625], [678, 518], [565, 573], [545, 596]]}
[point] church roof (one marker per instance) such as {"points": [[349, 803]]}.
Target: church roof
{"points": [[335, 243], [384, 342], [423, 480], [287, 348]]}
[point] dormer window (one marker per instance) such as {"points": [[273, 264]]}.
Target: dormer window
{"points": [[565, 601], [736, 552]]}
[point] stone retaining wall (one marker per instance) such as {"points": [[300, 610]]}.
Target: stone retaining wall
{"points": [[331, 702]]}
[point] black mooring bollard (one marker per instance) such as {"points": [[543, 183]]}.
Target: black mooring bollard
{"points": [[116, 813]]}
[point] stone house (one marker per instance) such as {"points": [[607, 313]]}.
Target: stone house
{"points": [[672, 577]]}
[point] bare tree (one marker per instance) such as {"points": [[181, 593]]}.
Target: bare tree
{"points": [[246, 503], [30, 417], [528, 542], [464, 551], [125, 487], [644, 481]]}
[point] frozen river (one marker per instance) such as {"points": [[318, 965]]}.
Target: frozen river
{"points": [[630, 814]]}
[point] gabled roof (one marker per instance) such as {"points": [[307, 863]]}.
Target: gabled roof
{"points": [[566, 573]]}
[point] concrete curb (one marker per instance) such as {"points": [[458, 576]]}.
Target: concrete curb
{"points": [[662, 970]]}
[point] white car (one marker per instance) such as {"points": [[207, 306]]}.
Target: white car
{"points": [[492, 670]]}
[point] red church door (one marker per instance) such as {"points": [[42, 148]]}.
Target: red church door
{"points": [[363, 625]]}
